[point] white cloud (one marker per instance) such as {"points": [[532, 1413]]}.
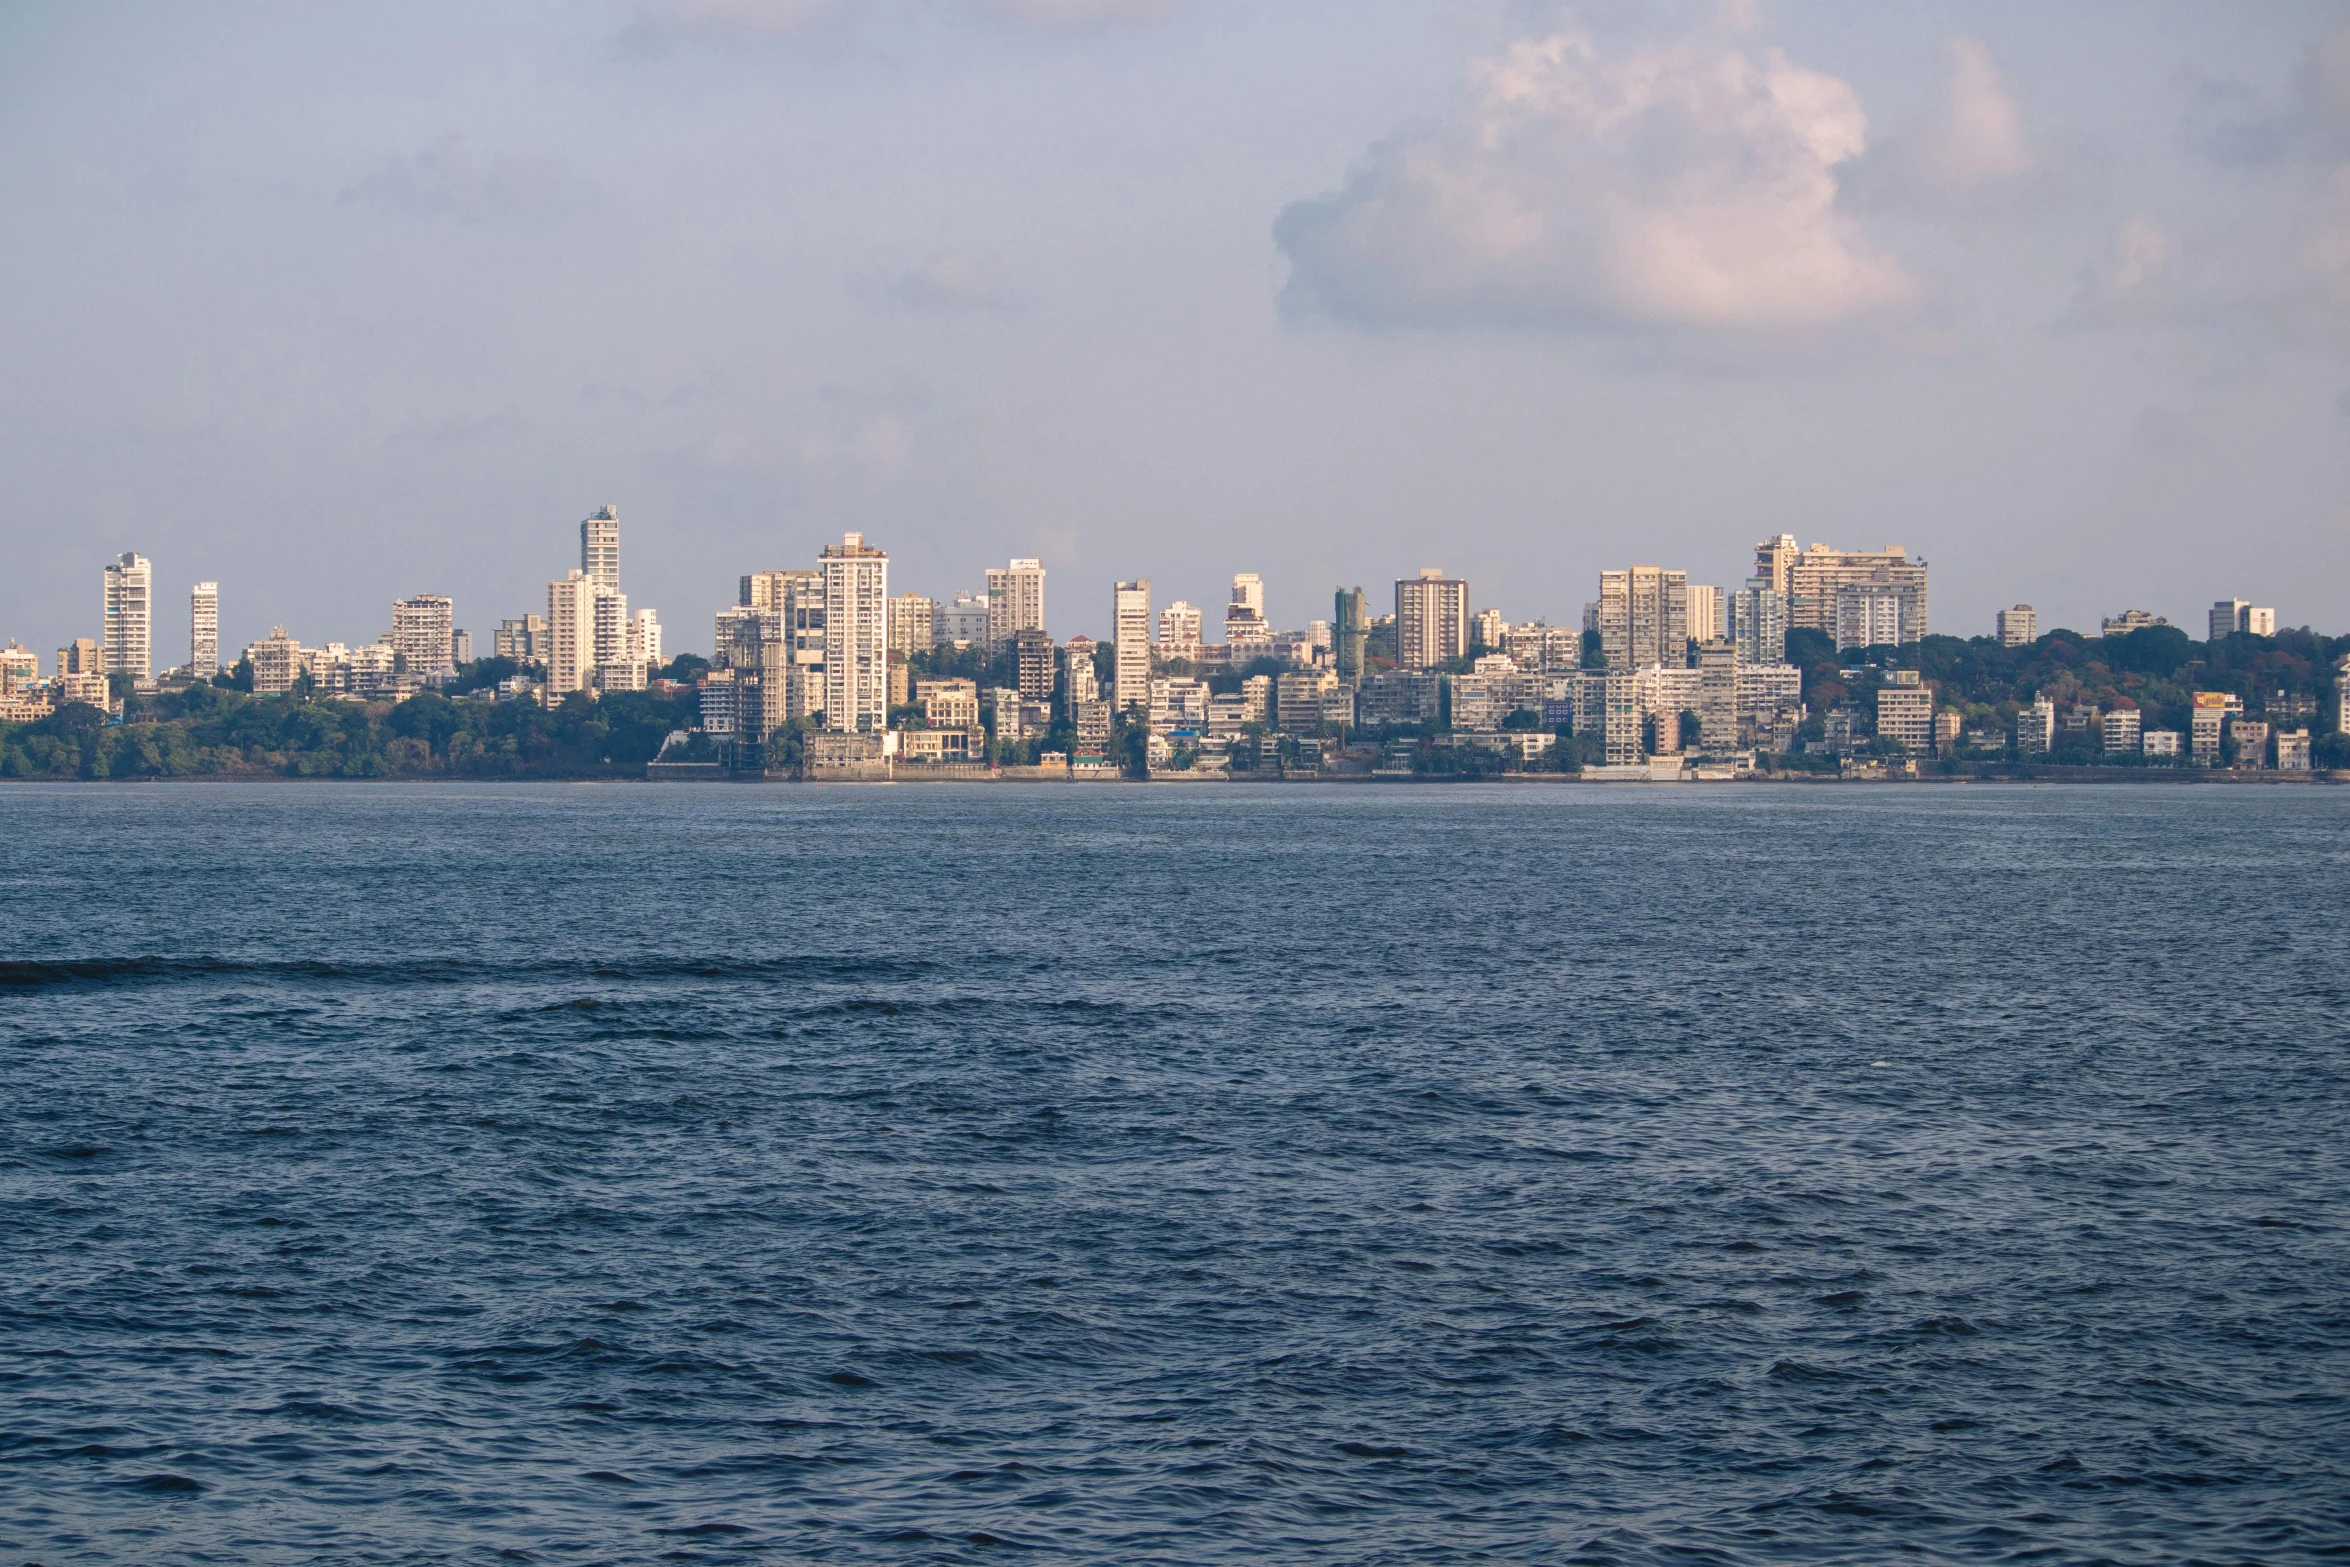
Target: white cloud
{"points": [[1694, 187], [1980, 140]]}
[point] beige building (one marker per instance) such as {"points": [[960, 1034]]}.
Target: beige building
{"points": [[2018, 627], [277, 662], [2127, 621], [1717, 695], [1905, 712], [1130, 622], [1644, 617], [571, 634], [856, 636], [948, 704], [1015, 600], [1815, 575], [913, 619], [1431, 619], [127, 625], [1180, 630], [1709, 615]]}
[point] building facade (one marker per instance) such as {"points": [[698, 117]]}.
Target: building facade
{"points": [[1015, 600], [1758, 623], [204, 630], [1644, 617], [599, 549], [1130, 622], [423, 633], [127, 626], [1179, 632], [2018, 627], [1350, 631], [1819, 574], [856, 636], [571, 634], [913, 620], [1431, 619]]}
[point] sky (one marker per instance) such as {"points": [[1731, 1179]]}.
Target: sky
{"points": [[338, 304]]}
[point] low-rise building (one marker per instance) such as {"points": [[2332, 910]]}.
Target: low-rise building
{"points": [[2119, 731], [1905, 712], [1297, 698], [1399, 697], [2208, 722], [2035, 728], [2251, 737], [2018, 627], [942, 745], [948, 704], [1949, 724], [2129, 620], [2161, 742], [2292, 750]]}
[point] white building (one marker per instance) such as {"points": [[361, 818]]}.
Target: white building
{"points": [[1179, 632], [1431, 619], [1708, 614], [423, 630], [913, 623], [277, 662], [128, 620], [1758, 623], [2161, 742], [2119, 730], [599, 549], [1015, 600], [1130, 621], [204, 630], [856, 636], [1865, 618], [2018, 627], [1080, 681], [1179, 704], [962, 622]]}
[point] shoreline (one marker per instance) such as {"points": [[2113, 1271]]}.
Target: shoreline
{"points": [[2102, 777]]}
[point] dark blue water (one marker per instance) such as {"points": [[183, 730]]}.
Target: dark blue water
{"points": [[1735, 1175]]}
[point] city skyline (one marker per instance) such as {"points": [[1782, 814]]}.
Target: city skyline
{"points": [[1091, 284]]}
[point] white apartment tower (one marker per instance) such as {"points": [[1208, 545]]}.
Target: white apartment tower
{"points": [[1708, 615], [204, 631], [2018, 627], [1130, 620], [856, 636], [1244, 617], [1179, 631], [422, 633], [1431, 619], [1758, 622], [571, 633], [128, 621], [1015, 600], [599, 549], [646, 646]]}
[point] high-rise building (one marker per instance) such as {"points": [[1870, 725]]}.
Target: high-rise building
{"points": [[1431, 619], [204, 631], [2018, 627], [1868, 617], [461, 645], [1350, 631], [422, 630], [1130, 620], [1644, 618], [2259, 622], [1709, 619], [1033, 659], [856, 636], [1179, 632], [912, 624], [1620, 716], [1717, 695], [128, 621], [1819, 573], [611, 639], [1245, 625], [1015, 600], [1774, 564], [1758, 623], [2120, 730], [2227, 617], [571, 634], [645, 644], [277, 662], [599, 549], [962, 622]]}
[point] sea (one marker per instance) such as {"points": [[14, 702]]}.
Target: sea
{"points": [[1689, 1175]]}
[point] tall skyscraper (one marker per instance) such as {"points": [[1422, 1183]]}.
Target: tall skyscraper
{"points": [[422, 630], [1774, 563], [1431, 619], [1758, 623], [1015, 600], [856, 636], [204, 631], [128, 620], [2018, 627], [1130, 620], [1644, 618], [1350, 630], [2227, 617], [599, 549], [571, 633], [912, 623]]}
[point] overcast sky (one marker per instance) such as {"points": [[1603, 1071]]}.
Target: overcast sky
{"points": [[334, 304]]}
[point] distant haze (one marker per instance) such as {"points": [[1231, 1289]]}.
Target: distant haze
{"points": [[335, 304]]}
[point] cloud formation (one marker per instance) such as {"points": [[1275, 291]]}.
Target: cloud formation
{"points": [[1980, 140], [1689, 187]]}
